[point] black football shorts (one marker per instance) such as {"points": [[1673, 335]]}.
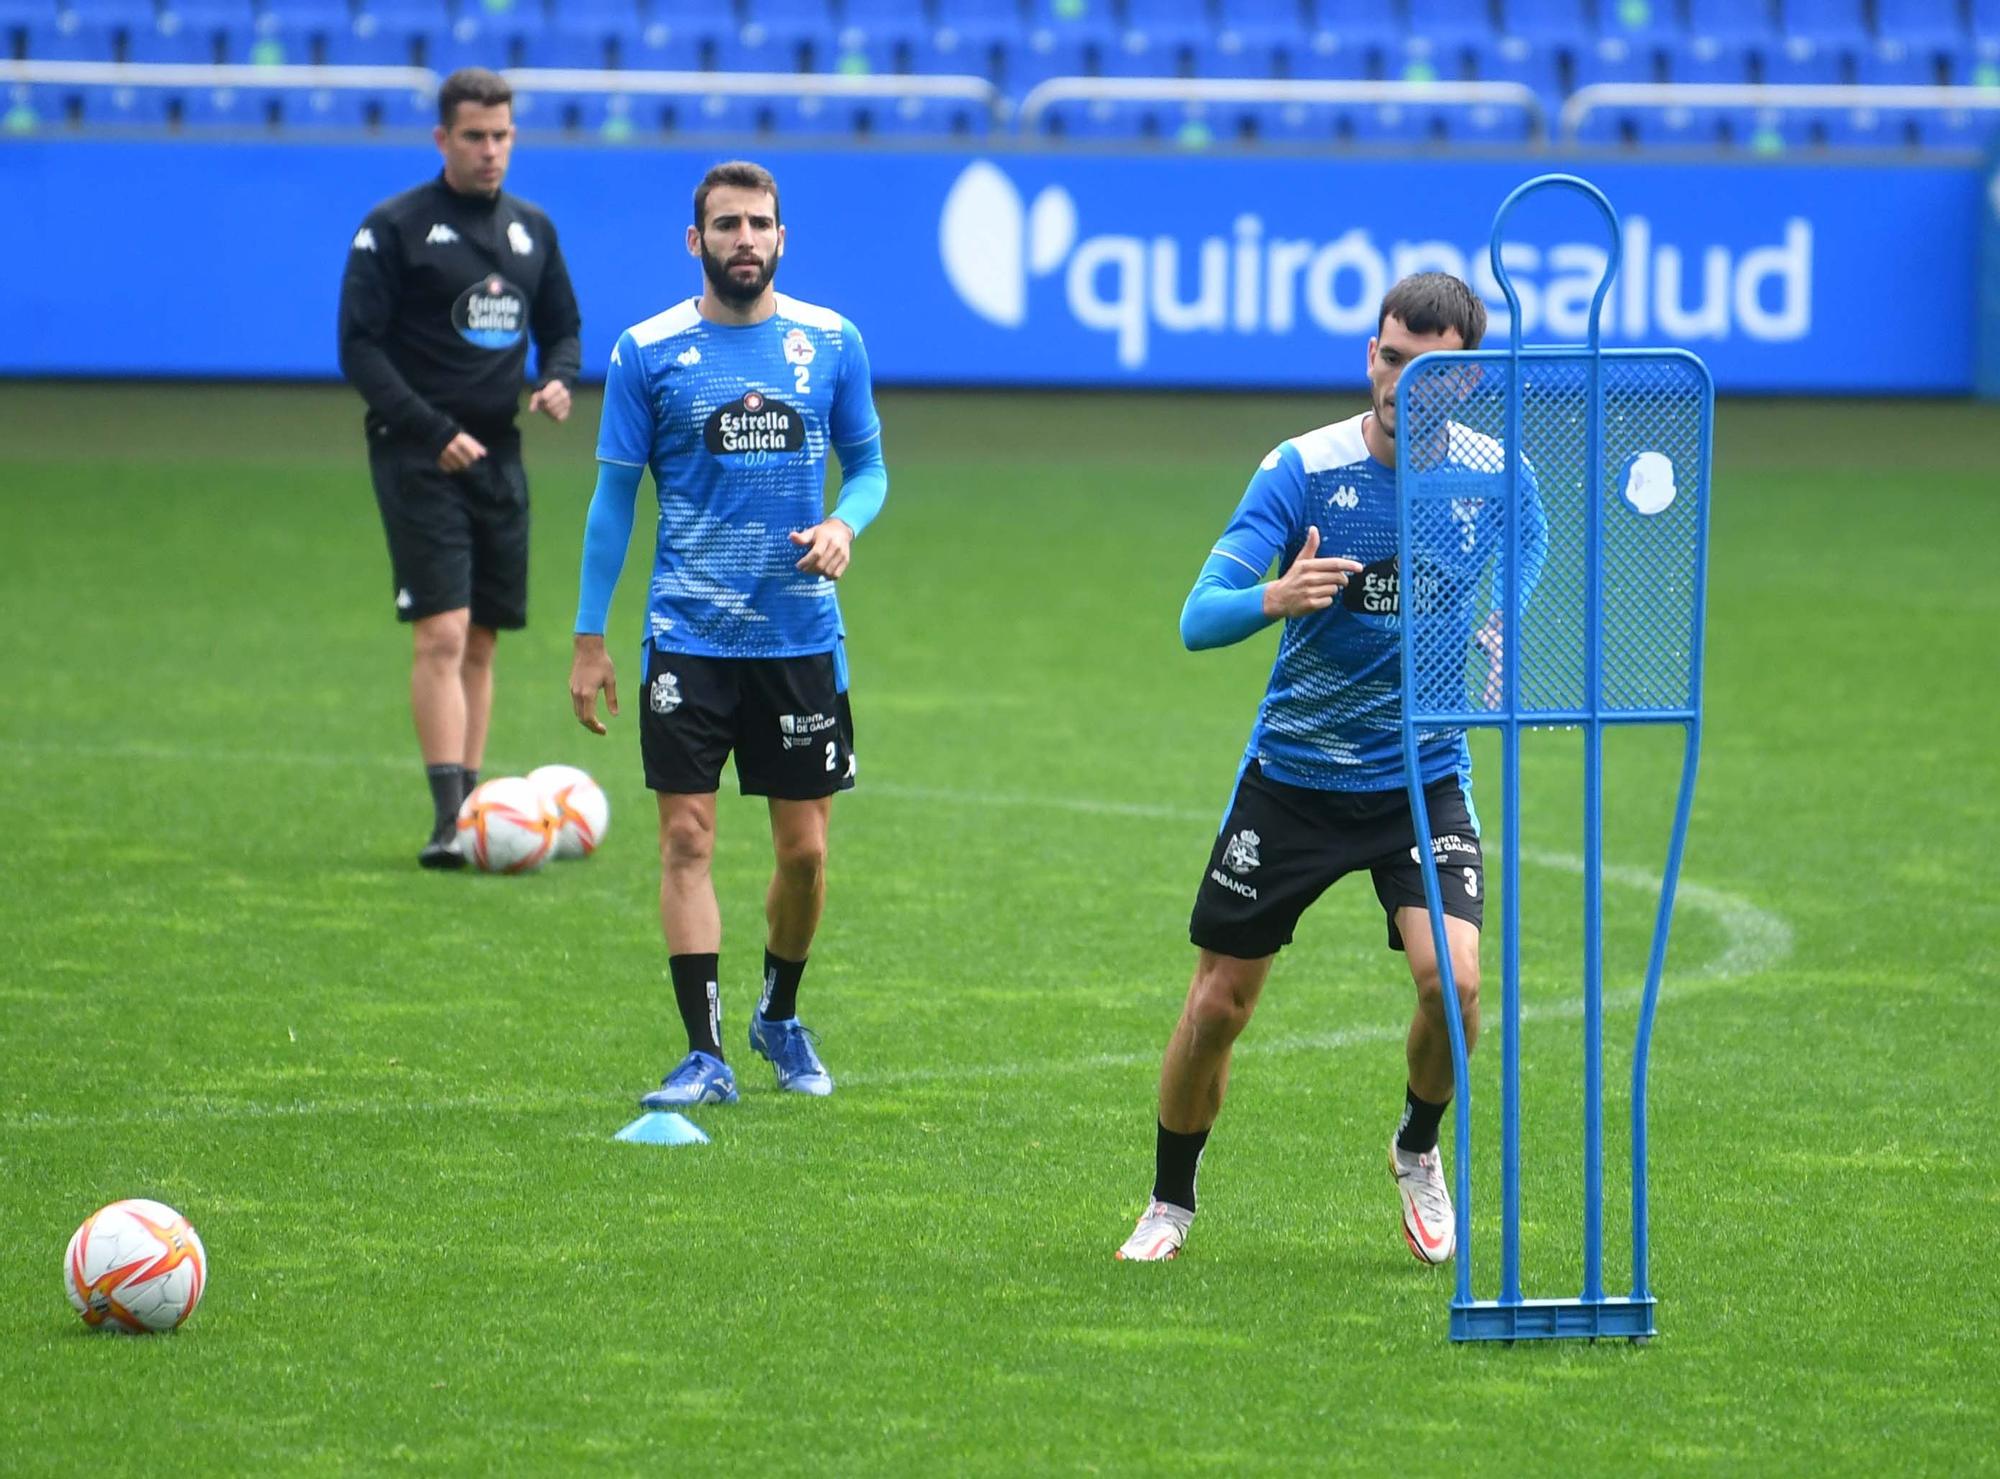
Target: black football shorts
{"points": [[1282, 846], [786, 720], [456, 539]]}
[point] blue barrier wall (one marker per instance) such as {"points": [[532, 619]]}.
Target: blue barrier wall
{"points": [[142, 258]]}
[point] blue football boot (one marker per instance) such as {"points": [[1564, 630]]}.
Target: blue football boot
{"points": [[700, 1078], [789, 1047]]}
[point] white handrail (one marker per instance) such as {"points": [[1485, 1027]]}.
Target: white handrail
{"points": [[1043, 95], [1596, 95], [215, 74]]}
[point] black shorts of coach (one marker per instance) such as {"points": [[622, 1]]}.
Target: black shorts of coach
{"points": [[456, 539], [1283, 845], [786, 719]]}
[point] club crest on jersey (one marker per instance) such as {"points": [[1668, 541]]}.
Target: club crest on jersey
{"points": [[798, 347], [1240, 856], [518, 238], [666, 693], [754, 422], [492, 313]]}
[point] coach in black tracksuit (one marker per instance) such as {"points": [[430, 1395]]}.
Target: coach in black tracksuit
{"points": [[445, 285]]}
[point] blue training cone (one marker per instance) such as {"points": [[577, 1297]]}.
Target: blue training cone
{"points": [[661, 1128]]}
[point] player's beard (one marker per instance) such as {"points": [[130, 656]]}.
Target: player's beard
{"points": [[732, 290]]}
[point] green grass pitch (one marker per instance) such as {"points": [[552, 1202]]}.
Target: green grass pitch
{"points": [[386, 1098]]}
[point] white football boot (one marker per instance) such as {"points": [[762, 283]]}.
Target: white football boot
{"points": [[1427, 1221], [1159, 1235]]}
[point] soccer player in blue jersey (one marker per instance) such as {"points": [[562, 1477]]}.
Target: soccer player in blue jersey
{"points": [[1322, 789], [733, 399]]}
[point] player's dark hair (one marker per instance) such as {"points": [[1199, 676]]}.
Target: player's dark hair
{"points": [[1431, 302], [472, 85], [744, 176]]}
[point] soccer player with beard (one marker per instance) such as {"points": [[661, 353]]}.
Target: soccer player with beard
{"points": [[732, 399], [1321, 792]]}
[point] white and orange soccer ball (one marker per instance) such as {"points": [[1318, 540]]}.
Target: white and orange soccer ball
{"points": [[505, 826], [581, 809], [135, 1266]]}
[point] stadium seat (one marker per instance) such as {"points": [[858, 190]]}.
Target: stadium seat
{"points": [[662, 48], [1975, 66], [123, 107], [1958, 129], [284, 45], [1272, 30], [1605, 128], [782, 36], [1837, 23], [1748, 21], [1704, 59], [1389, 123], [319, 108], [584, 50], [1451, 21], [1767, 130], [371, 43], [543, 110], [1613, 59], [1093, 22], [19, 14], [1865, 128], [1366, 23], [1920, 24], [618, 118], [1296, 123], [234, 109], [934, 117], [1323, 56], [68, 40], [1986, 20], [1894, 63], [1677, 127], [950, 52], [1797, 61], [1551, 22], [174, 44], [1484, 123], [1233, 53], [1420, 59], [29, 108], [817, 117], [1144, 53], [1042, 54], [1096, 119], [468, 43], [404, 110], [702, 18], [116, 15], [1533, 63], [983, 20], [716, 113], [1640, 22]]}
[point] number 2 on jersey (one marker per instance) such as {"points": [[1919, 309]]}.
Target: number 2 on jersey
{"points": [[802, 379]]}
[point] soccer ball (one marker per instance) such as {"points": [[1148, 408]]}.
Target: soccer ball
{"points": [[135, 1266], [506, 827], [579, 805]]}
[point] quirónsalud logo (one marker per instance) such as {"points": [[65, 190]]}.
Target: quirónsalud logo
{"points": [[1259, 279]]}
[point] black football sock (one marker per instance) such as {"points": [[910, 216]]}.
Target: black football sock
{"points": [[700, 1001], [447, 794], [1176, 1159], [471, 781], [1419, 1130], [781, 988]]}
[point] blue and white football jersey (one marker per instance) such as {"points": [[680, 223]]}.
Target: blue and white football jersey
{"points": [[735, 423], [1332, 712]]}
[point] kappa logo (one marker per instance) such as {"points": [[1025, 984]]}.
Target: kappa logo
{"points": [[364, 240], [798, 347], [666, 693], [1345, 497], [518, 238], [1240, 856], [689, 357], [441, 235], [404, 601]]}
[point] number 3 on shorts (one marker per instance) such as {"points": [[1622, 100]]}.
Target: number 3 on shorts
{"points": [[1471, 884]]}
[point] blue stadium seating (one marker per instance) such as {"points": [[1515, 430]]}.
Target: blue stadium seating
{"points": [[27, 108], [932, 116], [1767, 130], [560, 47], [179, 45], [1099, 119], [1613, 59], [322, 107], [1532, 62], [1732, 20], [1677, 128], [1364, 23], [114, 14], [1640, 22], [717, 113], [1896, 63], [661, 48], [1451, 21], [405, 109], [809, 117], [239, 109], [1799, 61], [985, 20], [124, 107], [67, 40], [1604, 128], [1296, 123], [1325, 56], [1920, 24], [370, 43], [1485, 124], [1838, 23], [1986, 20], [1704, 59], [1958, 128], [1865, 128], [703, 18], [1554, 22]]}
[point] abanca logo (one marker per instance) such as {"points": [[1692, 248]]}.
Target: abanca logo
{"points": [[1250, 282]]}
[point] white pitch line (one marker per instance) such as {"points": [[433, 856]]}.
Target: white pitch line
{"points": [[1758, 940]]}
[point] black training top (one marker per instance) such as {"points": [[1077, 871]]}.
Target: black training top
{"points": [[441, 295]]}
